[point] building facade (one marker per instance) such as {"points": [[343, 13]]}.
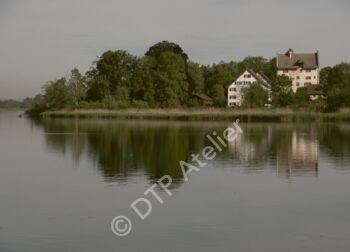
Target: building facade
{"points": [[302, 68], [235, 90]]}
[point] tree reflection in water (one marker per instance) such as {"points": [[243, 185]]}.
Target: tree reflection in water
{"points": [[123, 148]]}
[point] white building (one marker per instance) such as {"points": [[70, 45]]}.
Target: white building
{"points": [[235, 90], [302, 68]]}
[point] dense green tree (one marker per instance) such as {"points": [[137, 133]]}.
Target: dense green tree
{"points": [[270, 69], [113, 72], [282, 93], [195, 78], [98, 88], [171, 80], [301, 98], [57, 95], [256, 64], [324, 76], [336, 85], [144, 83], [222, 74], [218, 95], [254, 96], [166, 46]]}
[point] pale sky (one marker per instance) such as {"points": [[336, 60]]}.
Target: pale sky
{"points": [[43, 39]]}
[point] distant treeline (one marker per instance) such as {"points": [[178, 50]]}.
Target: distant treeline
{"points": [[165, 78], [26, 103]]}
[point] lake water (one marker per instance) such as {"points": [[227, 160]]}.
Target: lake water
{"points": [[278, 187]]}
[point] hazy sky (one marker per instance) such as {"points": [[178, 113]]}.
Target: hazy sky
{"points": [[43, 39]]}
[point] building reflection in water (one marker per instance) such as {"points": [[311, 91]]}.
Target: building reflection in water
{"points": [[300, 157], [287, 150]]}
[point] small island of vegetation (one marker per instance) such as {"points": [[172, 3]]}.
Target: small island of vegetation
{"points": [[165, 83]]}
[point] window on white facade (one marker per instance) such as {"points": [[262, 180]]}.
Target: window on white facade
{"points": [[308, 77], [298, 84], [308, 71], [298, 77], [285, 71]]}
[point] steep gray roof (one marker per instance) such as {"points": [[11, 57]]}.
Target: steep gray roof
{"points": [[261, 77], [291, 60]]}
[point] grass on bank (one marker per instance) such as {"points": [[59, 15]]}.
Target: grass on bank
{"points": [[268, 115]]}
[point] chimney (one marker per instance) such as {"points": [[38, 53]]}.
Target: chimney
{"points": [[289, 53]]}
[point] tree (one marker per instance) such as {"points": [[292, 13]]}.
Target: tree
{"points": [[170, 80], [218, 95], [166, 46], [195, 78], [336, 85], [256, 64], [222, 74], [57, 95], [98, 88], [113, 72], [77, 87], [254, 96], [282, 93], [270, 68], [301, 98], [143, 88]]}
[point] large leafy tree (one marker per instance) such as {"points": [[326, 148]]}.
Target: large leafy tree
{"points": [[282, 93], [57, 95], [270, 68], [144, 82], [222, 74], [301, 98], [170, 80], [166, 46], [195, 78], [254, 63], [254, 96], [113, 75], [336, 85], [218, 95]]}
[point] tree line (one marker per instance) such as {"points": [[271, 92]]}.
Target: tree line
{"points": [[165, 78], [10, 103]]}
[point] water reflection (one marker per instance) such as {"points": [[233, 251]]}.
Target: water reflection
{"points": [[121, 149]]}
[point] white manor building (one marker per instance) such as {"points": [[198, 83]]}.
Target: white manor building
{"points": [[235, 90], [302, 68]]}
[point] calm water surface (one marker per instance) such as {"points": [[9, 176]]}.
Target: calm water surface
{"points": [[279, 187]]}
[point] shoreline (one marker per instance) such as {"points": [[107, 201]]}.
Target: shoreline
{"points": [[210, 114]]}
